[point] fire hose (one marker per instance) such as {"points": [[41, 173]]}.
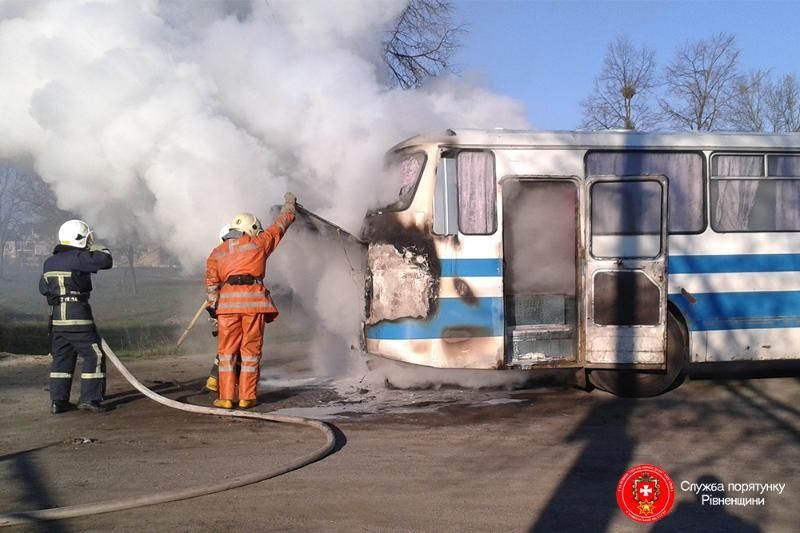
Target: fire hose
{"points": [[74, 511]]}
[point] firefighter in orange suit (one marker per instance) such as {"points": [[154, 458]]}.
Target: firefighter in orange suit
{"points": [[240, 302]]}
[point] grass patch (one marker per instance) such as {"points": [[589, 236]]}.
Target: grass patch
{"points": [[147, 321]]}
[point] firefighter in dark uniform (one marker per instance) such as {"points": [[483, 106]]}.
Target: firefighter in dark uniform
{"points": [[66, 283]]}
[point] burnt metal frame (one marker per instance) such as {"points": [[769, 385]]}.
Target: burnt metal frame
{"points": [[580, 229], [664, 252]]}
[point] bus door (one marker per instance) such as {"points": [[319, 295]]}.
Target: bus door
{"points": [[625, 272], [540, 282]]}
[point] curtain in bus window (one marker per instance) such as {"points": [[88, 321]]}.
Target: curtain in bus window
{"points": [[744, 166], [787, 195], [407, 172], [401, 175], [734, 204], [787, 205], [683, 170], [476, 192], [734, 200]]}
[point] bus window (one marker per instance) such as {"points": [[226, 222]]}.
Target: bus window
{"points": [[684, 170], [476, 193], [403, 172], [445, 209], [626, 219], [744, 199], [783, 165]]}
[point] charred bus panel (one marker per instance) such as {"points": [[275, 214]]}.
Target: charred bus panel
{"points": [[430, 302]]}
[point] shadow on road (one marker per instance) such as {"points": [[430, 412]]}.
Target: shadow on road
{"points": [[586, 497], [765, 406], [33, 488], [694, 516], [121, 398]]}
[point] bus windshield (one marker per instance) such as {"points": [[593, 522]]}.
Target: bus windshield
{"points": [[401, 175]]}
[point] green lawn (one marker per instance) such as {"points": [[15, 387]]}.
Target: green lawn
{"points": [[147, 321]]}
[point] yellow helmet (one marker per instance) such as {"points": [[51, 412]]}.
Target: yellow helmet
{"points": [[246, 223]]}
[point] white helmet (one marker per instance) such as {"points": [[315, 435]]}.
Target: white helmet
{"points": [[75, 233], [247, 223], [224, 230]]}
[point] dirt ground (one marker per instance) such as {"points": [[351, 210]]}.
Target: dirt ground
{"points": [[538, 459]]}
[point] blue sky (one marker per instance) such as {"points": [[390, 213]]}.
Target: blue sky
{"points": [[546, 53]]}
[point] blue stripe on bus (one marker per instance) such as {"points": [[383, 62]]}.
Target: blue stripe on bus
{"points": [[678, 264], [463, 268], [740, 310], [717, 264], [712, 311], [453, 317]]}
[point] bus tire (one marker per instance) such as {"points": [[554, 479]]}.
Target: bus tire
{"points": [[643, 384]]}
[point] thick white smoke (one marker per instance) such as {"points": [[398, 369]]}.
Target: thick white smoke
{"points": [[172, 116], [165, 118]]}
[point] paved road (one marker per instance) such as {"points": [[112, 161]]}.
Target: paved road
{"points": [[541, 459]]}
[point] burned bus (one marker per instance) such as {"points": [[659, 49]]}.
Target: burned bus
{"points": [[625, 256]]}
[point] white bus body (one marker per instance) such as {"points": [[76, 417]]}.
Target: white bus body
{"points": [[623, 255]]}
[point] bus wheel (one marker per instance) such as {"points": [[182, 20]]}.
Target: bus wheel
{"points": [[643, 384]]}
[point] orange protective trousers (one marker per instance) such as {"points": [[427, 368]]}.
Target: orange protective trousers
{"points": [[240, 336]]}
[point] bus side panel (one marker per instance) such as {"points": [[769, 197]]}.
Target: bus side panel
{"points": [[739, 294]]}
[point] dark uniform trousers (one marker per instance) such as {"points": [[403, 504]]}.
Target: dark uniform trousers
{"points": [[65, 347]]}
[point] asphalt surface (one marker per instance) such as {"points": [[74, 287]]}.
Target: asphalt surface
{"points": [[538, 459]]}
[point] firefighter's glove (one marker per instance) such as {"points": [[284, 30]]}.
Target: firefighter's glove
{"points": [[97, 247], [212, 312], [214, 326], [289, 203]]}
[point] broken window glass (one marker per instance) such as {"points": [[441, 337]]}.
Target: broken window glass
{"points": [[402, 174]]}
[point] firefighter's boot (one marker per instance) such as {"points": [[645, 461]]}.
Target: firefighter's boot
{"points": [[92, 406], [61, 406], [212, 384], [223, 404], [247, 404]]}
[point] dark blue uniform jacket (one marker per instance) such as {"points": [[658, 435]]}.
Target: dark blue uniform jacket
{"points": [[66, 283]]}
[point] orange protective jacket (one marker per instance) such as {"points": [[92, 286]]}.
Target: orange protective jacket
{"points": [[244, 256]]}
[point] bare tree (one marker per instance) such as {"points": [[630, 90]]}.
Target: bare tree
{"points": [[128, 243], [749, 102], [23, 195], [760, 104], [783, 104], [621, 91], [24, 198], [421, 43], [700, 83], [14, 193]]}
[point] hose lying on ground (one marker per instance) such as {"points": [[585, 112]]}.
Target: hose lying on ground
{"points": [[73, 511]]}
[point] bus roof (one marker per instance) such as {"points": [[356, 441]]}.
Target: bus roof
{"points": [[611, 139]]}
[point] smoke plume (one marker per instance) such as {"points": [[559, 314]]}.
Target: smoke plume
{"points": [[163, 119]]}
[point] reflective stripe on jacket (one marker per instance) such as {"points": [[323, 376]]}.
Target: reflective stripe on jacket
{"points": [[66, 283], [245, 256]]}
